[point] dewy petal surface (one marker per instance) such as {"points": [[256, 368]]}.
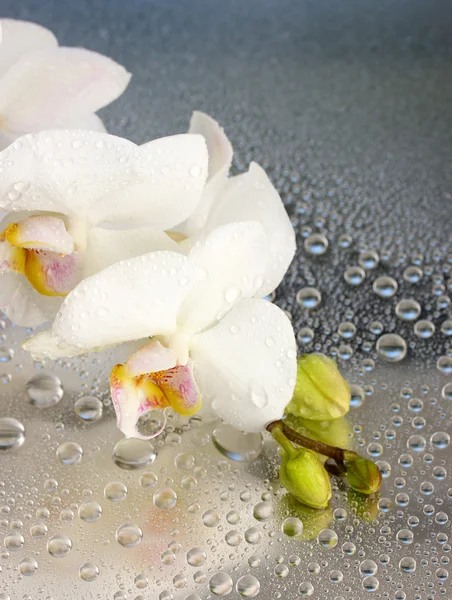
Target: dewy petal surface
{"points": [[220, 159], [40, 232], [233, 259], [252, 197], [104, 178], [46, 345], [129, 300], [108, 246], [133, 397], [245, 366], [19, 38], [52, 87]]}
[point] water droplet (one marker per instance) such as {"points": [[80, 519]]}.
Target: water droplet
{"points": [[12, 433], [305, 335], [440, 440], [327, 538], [28, 566], [306, 589], [413, 274], [405, 536], [444, 364], [165, 498], [357, 395], [385, 286], [316, 244], [368, 259], [185, 461], [220, 584], [148, 480], [370, 584], [89, 572], [129, 535], [196, 557], [446, 327], [90, 511], [354, 275], [14, 541], [248, 586], [446, 392], [59, 546], [44, 390], [391, 347], [141, 581], [407, 564], [346, 330], [292, 527], [233, 538], [89, 409], [133, 453], [115, 491], [416, 442], [263, 511], [237, 445], [210, 518], [38, 530], [424, 329], [309, 298], [69, 453], [408, 310]]}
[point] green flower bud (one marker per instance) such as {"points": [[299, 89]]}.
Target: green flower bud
{"points": [[363, 475], [302, 474], [334, 433], [321, 393]]}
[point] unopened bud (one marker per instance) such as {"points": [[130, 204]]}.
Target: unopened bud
{"points": [[363, 475]]}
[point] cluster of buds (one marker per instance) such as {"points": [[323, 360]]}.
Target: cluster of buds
{"points": [[321, 394]]}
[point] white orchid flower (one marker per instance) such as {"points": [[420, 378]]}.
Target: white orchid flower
{"points": [[45, 86], [246, 197], [209, 340], [78, 201]]}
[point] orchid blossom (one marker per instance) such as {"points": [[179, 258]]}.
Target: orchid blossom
{"points": [[206, 338], [45, 86], [78, 201]]}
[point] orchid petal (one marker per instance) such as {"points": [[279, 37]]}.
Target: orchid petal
{"points": [[19, 38], [127, 301], [220, 158], [45, 345], [180, 389], [23, 304], [234, 259], [53, 87], [11, 258], [40, 233], [133, 397], [252, 197], [104, 178], [52, 274], [91, 122], [246, 365], [109, 246], [172, 172], [151, 357]]}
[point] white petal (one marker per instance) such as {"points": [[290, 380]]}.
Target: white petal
{"points": [[234, 259], [220, 159], [252, 197], [22, 304], [130, 300], [246, 365], [151, 358], [173, 172], [46, 345], [19, 38], [109, 246], [53, 87], [65, 171], [104, 178]]}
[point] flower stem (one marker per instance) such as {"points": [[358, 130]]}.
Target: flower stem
{"points": [[276, 428], [282, 440]]}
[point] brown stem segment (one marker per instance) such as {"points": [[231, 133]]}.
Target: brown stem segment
{"points": [[338, 454]]}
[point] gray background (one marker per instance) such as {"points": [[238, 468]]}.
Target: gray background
{"points": [[357, 90]]}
